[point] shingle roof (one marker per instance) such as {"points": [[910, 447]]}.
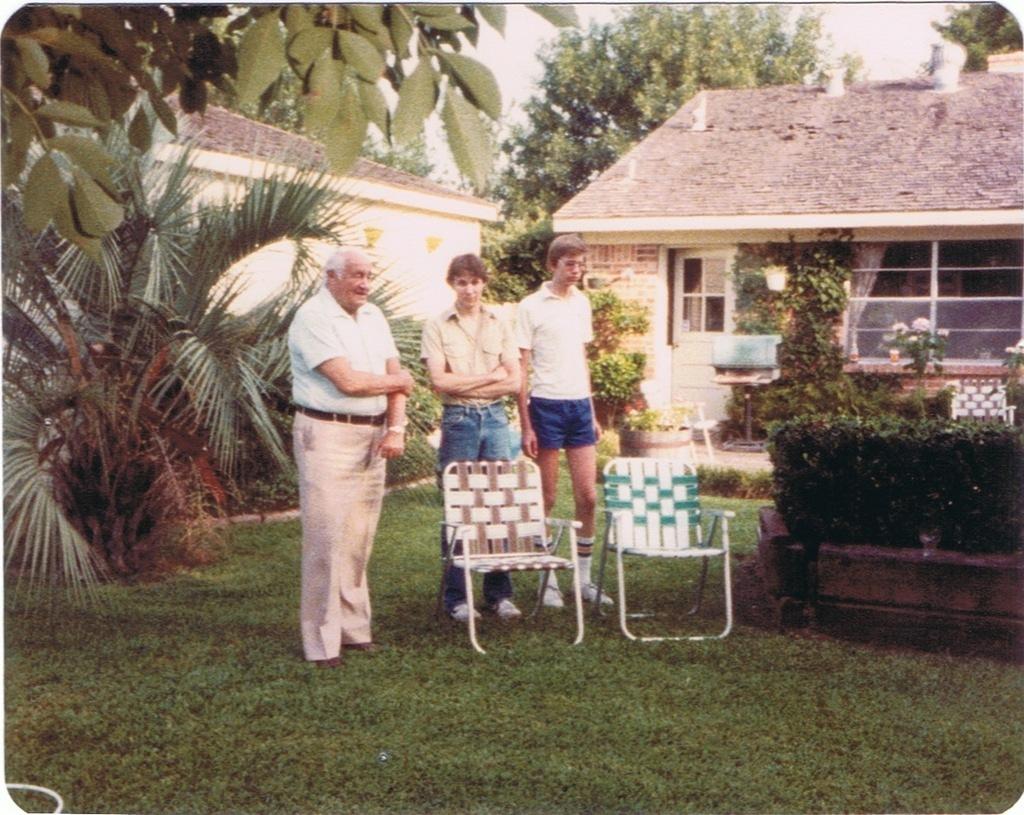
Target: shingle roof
{"points": [[893, 146], [226, 132]]}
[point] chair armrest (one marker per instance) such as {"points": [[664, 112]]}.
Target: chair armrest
{"points": [[720, 513], [564, 523]]}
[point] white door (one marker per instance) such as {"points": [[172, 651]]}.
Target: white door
{"points": [[697, 289]]}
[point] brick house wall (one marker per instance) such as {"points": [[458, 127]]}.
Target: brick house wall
{"points": [[608, 266]]}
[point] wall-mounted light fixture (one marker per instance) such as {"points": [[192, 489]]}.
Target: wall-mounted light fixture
{"points": [[372, 234], [775, 277]]}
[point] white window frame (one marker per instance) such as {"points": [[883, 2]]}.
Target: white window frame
{"points": [[930, 303], [678, 274]]}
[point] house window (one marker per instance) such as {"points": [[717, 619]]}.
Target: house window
{"points": [[974, 289], [698, 294]]}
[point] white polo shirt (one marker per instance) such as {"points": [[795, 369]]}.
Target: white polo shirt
{"points": [[554, 330], [323, 330]]}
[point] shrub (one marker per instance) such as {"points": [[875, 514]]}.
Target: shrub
{"points": [[885, 480], [863, 396], [729, 482], [615, 379]]}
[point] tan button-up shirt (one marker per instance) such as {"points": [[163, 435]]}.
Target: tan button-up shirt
{"points": [[468, 349]]}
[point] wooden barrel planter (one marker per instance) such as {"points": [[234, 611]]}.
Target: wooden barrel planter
{"points": [[655, 443]]}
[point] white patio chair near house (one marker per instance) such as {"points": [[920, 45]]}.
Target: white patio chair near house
{"points": [[653, 511], [982, 400], [704, 426], [494, 522]]}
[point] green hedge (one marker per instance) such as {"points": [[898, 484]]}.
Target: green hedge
{"points": [[883, 480]]}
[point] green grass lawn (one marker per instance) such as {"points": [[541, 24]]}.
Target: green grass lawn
{"points": [[191, 696]]}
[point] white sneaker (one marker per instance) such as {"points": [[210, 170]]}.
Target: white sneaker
{"points": [[506, 609], [589, 593], [461, 613], [552, 596]]}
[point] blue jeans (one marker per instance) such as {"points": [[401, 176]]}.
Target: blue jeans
{"points": [[473, 434]]}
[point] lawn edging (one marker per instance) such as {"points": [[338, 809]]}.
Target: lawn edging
{"points": [[941, 600]]}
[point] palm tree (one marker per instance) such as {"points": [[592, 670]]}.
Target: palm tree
{"points": [[128, 378]]}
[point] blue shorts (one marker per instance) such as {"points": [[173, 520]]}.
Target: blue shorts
{"points": [[562, 423]]}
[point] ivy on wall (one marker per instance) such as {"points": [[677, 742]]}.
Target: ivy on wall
{"points": [[807, 312]]}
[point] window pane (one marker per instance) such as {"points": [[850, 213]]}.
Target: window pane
{"points": [[902, 284], [882, 315], [870, 344], [980, 344], [691, 314], [714, 276], [980, 253], [979, 314], [691, 275], [908, 256], [980, 283], [714, 314]]}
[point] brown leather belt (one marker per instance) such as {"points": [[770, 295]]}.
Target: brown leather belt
{"points": [[346, 418]]}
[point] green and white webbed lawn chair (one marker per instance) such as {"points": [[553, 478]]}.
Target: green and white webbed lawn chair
{"points": [[653, 511], [494, 522]]}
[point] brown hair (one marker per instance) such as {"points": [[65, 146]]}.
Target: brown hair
{"points": [[565, 245], [467, 264]]}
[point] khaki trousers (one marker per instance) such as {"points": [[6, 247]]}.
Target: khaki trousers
{"points": [[341, 487]]}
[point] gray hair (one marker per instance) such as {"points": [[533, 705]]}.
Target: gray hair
{"points": [[339, 260]]}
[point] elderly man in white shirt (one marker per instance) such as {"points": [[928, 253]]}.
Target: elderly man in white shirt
{"points": [[349, 390]]}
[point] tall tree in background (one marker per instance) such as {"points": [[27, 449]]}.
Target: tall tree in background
{"points": [[983, 29], [604, 89]]}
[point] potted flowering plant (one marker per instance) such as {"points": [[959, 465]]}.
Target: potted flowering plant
{"points": [[922, 346], [655, 432]]}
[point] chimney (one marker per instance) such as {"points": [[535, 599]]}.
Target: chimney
{"points": [[835, 86], [1012, 63], [700, 113], [947, 60]]}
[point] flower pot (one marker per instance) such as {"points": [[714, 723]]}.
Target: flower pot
{"points": [[655, 443]]}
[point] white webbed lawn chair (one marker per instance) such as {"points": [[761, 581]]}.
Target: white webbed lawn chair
{"points": [[494, 522], [653, 511], [982, 400]]}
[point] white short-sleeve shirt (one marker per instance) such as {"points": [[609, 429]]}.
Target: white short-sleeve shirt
{"points": [[323, 330], [555, 330]]}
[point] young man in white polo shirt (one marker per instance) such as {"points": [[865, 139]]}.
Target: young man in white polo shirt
{"points": [[556, 409]]}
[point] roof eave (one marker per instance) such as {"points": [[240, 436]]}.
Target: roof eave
{"points": [[790, 221], [371, 191]]}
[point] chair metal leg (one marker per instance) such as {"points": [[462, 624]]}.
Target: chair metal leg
{"points": [[622, 595], [577, 591], [468, 580], [700, 587], [446, 563], [598, 611]]}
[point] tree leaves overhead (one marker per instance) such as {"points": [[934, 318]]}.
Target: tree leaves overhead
{"points": [[477, 83], [416, 99], [343, 140], [562, 16], [260, 57], [84, 67], [468, 138], [361, 55]]}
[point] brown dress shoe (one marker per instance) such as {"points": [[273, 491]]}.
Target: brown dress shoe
{"points": [[331, 662]]}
